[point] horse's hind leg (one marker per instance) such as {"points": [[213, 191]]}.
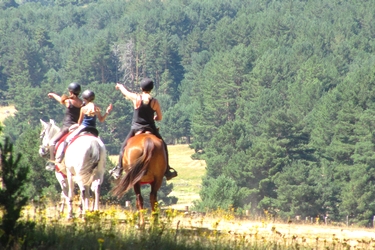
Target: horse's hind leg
{"points": [[139, 198], [153, 194], [95, 188], [139, 203], [85, 195]]}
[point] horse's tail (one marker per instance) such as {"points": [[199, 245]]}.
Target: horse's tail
{"points": [[94, 164], [136, 170]]}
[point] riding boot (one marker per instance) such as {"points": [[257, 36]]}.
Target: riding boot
{"points": [[51, 165], [168, 173], [61, 153], [116, 172]]}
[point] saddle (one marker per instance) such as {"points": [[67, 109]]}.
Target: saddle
{"points": [[142, 132], [67, 139]]}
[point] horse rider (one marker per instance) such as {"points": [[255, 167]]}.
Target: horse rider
{"points": [[147, 110], [89, 113], [73, 106]]}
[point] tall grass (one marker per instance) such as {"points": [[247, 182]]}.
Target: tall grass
{"points": [[116, 228]]}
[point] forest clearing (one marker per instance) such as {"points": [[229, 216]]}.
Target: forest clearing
{"points": [[221, 229]]}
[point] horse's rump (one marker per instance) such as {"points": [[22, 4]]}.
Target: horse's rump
{"points": [[86, 157], [144, 161]]}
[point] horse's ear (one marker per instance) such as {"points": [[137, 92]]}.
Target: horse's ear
{"points": [[52, 121], [43, 123]]}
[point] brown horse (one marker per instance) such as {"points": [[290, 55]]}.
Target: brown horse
{"points": [[144, 162]]}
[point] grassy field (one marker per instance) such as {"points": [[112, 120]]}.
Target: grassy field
{"points": [[190, 172], [187, 184], [6, 111], [116, 229]]}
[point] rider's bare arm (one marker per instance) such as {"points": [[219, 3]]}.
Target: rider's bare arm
{"points": [[103, 117], [56, 97], [156, 106], [130, 95], [61, 99], [81, 115]]}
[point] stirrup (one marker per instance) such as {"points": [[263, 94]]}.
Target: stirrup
{"points": [[50, 166], [115, 172], [170, 174]]}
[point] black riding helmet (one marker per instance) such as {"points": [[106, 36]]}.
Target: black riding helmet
{"points": [[147, 84], [88, 95], [75, 88]]}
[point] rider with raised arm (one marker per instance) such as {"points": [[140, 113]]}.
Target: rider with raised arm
{"points": [[89, 113], [147, 110], [73, 106]]}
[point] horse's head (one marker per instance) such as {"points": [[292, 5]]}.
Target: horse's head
{"points": [[48, 131]]}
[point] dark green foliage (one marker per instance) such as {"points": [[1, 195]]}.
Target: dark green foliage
{"points": [[8, 4], [44, 182], [14, 178], [226, 188]]}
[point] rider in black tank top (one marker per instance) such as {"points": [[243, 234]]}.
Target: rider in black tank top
{"points": [[145, 108], [73, 106], [71, 115], [143, 118]]}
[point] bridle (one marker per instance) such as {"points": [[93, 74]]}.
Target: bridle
{"points": [[43, 149], [43, 133]]}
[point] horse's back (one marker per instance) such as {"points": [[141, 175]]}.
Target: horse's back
{"points": [[138, 142]]}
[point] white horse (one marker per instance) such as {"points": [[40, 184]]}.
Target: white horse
{"points": [[84, 163]]}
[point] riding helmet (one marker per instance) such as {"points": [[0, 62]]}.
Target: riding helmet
{"points": [[147, 84], [75, 88], [88, 95]]}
